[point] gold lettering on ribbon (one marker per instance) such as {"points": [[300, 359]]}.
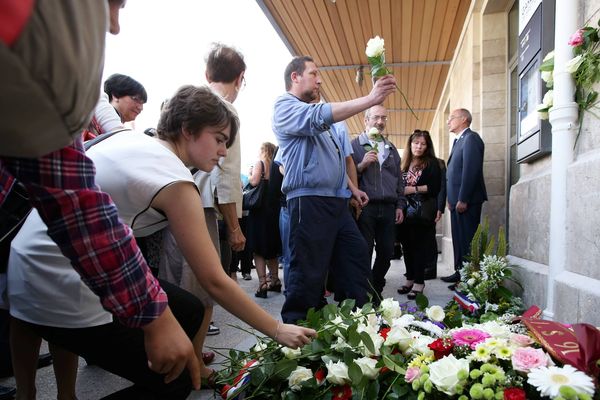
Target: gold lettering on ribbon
{"points": [[552, 333]]}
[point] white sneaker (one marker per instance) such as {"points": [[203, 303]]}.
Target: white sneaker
{"points": [[213, 330]]}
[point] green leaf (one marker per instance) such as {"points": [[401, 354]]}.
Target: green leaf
{"points": [[504, 293], [347, 306], [355, 373], [368, 342], [373, 389], [422, 301], [284, 368]]}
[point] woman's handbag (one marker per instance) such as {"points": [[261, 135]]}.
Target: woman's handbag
{"points": [[254, 195], [420, 208]]}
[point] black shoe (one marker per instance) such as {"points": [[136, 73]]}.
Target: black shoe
{"points": [[455, 277], [44, 360], [452, 287], [7, 392]]}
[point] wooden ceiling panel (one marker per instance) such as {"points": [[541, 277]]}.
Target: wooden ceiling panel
{"points": [[420, 39]]}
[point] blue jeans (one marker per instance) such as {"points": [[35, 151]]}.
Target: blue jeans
{"points": [[323, 234], [284, 233]]}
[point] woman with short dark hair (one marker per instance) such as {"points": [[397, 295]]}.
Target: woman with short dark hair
{"points": [[126, 95]]}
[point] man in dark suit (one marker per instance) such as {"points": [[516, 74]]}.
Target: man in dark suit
{"points": [[465, 186]]}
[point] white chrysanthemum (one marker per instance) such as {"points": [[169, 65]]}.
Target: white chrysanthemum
{"points": [[495, 329], [429, 327], [403, 321], [548, 380], [481, 353]]}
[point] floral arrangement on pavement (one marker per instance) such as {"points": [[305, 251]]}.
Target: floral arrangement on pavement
{"points": [[584, 67], [481, 293], [376, 56], [395, 352]]}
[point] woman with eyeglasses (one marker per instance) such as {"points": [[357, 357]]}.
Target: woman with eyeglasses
{"points": [[421, 174], [126, 95]]}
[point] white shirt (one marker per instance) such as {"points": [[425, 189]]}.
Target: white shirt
{"points": [[43, 288]]}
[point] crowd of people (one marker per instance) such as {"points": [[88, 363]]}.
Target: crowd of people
{"points": [[74, 274]]}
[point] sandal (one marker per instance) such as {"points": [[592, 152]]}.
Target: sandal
{"points": [[275, 286], [262, 288], [413, 293], [405, 289]]}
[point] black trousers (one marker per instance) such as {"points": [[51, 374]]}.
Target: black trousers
{"points": [[120, 350], [377, 223], [464, 227], [323, 234], [416, 241]]}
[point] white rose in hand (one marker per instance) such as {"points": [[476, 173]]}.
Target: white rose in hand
{"points": [[443, 373], [337, 373], [368, 367], [299, 375], [375, 47], [291, 353], [435, 313]]}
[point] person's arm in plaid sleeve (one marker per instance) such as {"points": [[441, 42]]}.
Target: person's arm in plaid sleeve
{"points": [[83, 221]]}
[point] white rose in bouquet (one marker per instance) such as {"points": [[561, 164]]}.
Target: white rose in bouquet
{"points": [[390, 309], [368, 367], [573, 64], [400, 336], [337, 373], [443, 373], [299, 375], [375, 47], [435, 313]]}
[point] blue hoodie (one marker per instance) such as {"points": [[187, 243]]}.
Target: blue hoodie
{"points": [[311, 152]]}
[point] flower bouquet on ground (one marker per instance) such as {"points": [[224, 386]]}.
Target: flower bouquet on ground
{"points": [[397, 352], [376, 56], [481, 293]]}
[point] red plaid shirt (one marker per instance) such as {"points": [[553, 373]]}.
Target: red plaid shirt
{"points": [[84, 222]]}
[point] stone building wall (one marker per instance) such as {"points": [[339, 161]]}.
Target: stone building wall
{"points": [[478, 81]]}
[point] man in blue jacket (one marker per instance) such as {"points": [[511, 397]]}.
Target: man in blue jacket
{"points": [[378, 165], [465, 186], [322, 231]]}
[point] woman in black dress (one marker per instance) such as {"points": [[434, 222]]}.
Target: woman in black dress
{"points": [[421, 174], [263, 227]]}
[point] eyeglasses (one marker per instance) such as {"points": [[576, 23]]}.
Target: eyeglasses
{"points": [[137, 99], [382, 118]]}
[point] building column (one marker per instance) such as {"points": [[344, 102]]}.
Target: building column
{"points": [[564, 120]]}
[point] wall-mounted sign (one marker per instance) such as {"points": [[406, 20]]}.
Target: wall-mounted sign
{"points": [[526, 10], [536, 39]]}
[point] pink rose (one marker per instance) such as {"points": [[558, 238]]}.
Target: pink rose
{"points": [[412, 373], [521, 340], [526, 358], [576, 39]]}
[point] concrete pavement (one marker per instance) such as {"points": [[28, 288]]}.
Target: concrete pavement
{"points": [[94, 383]]}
